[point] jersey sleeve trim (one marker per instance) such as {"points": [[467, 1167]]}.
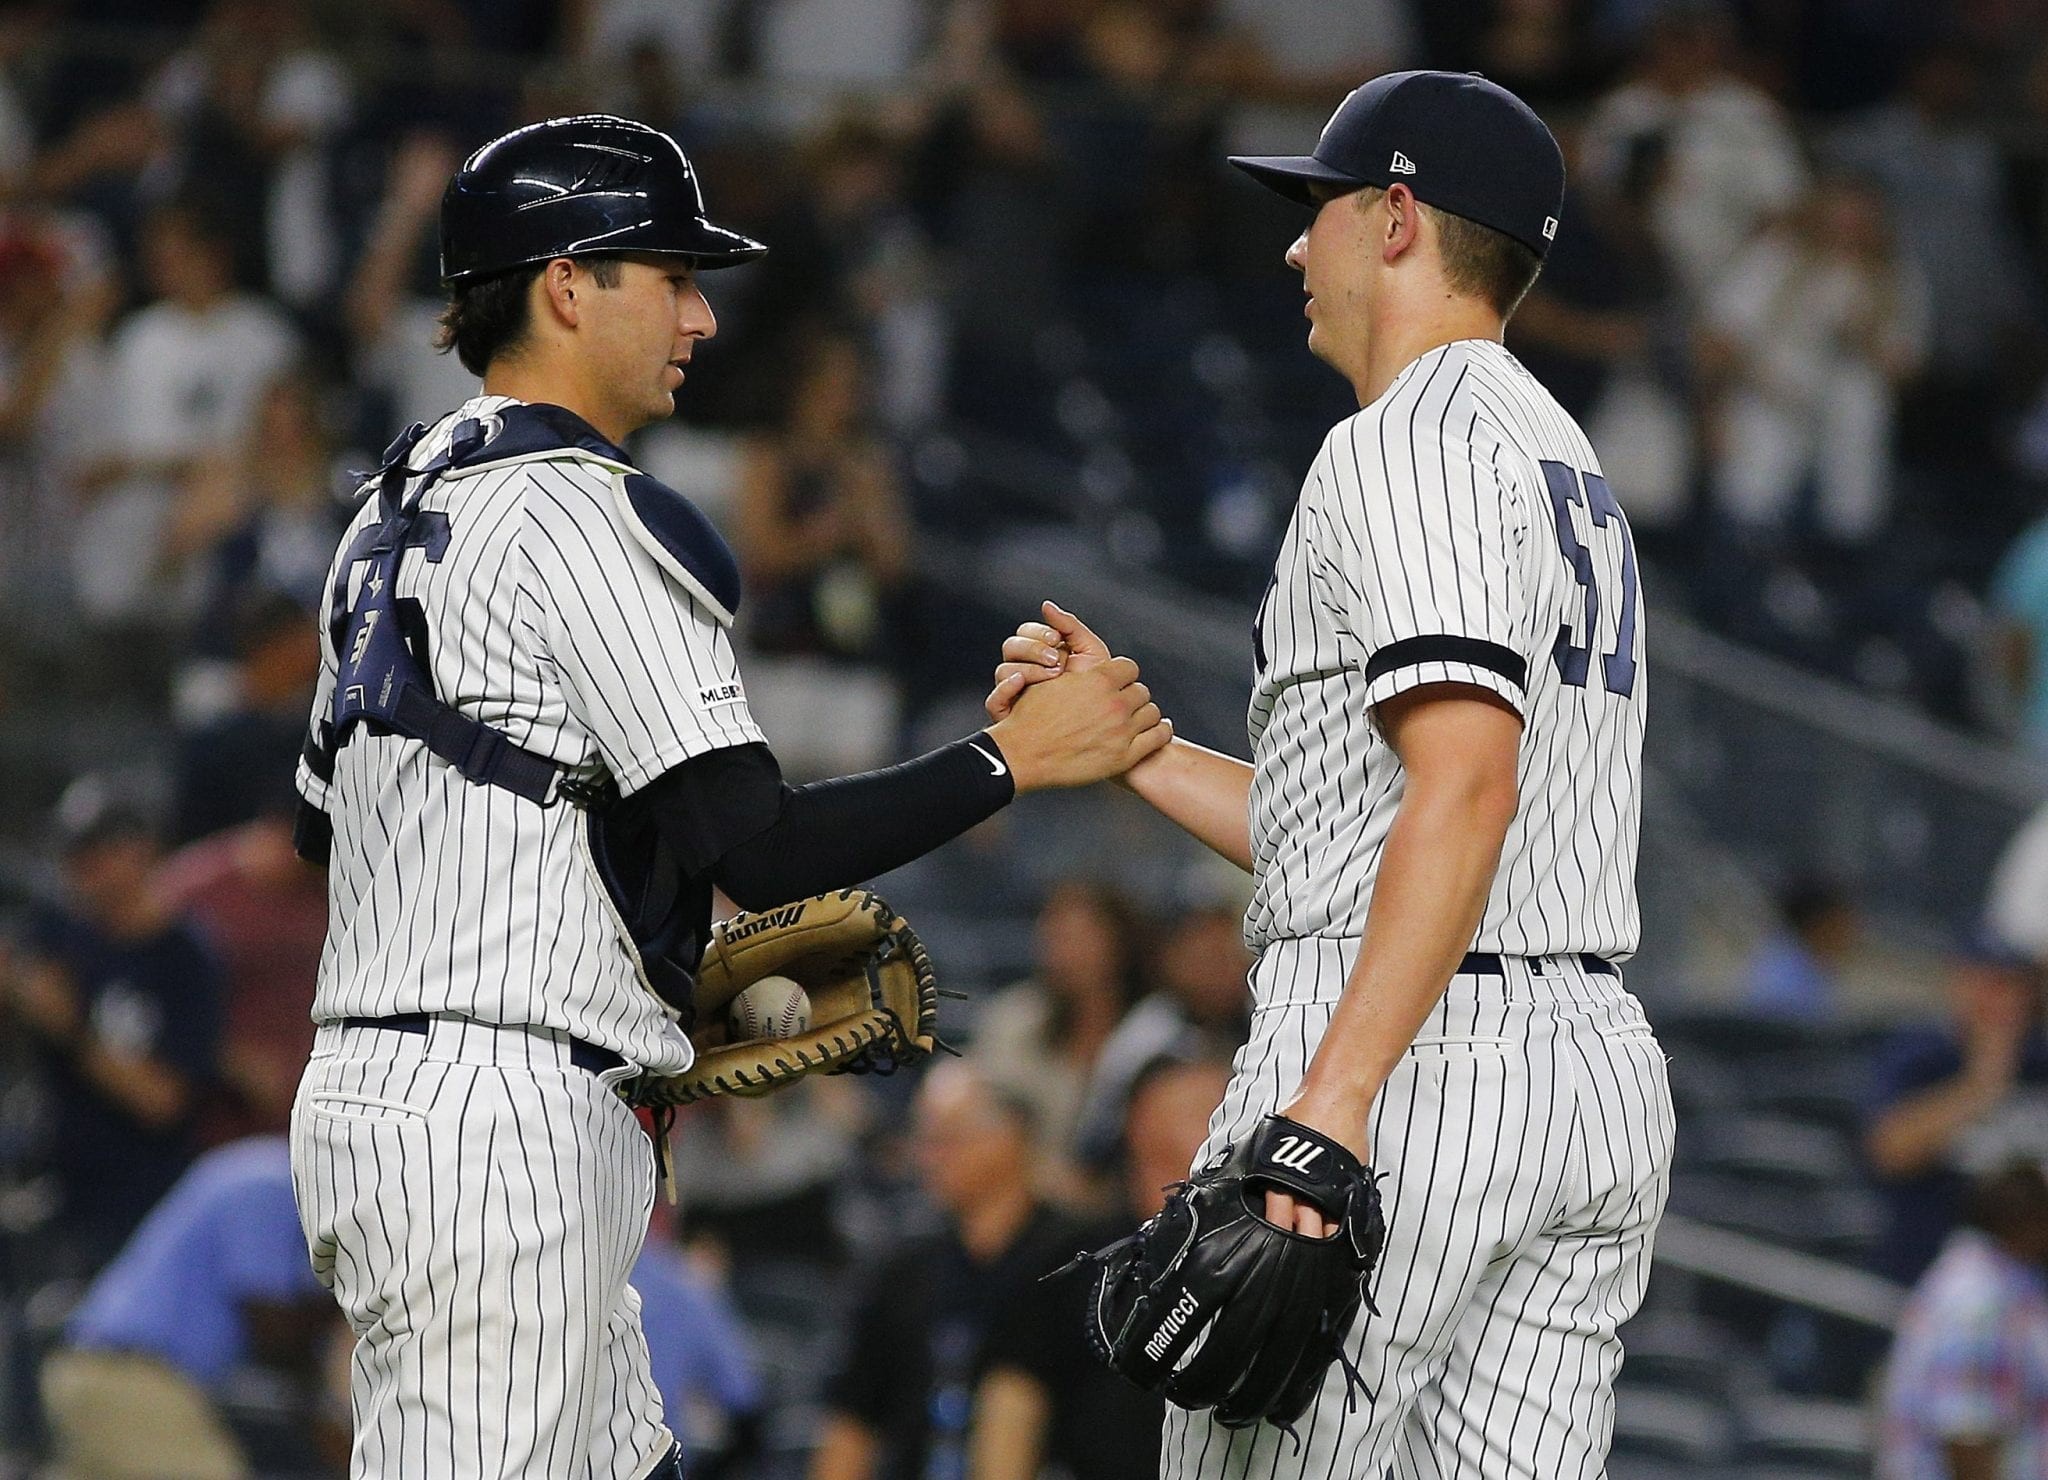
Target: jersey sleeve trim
{"points": [[1445, 648], [644, 771], [1421, 674]]}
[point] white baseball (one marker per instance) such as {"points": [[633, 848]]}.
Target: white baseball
{"points": [[773, 1007]]}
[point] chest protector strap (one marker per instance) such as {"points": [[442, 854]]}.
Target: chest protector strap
{"points": [[379, 640]]}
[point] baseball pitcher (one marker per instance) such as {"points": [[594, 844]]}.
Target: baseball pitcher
{"points": [[1440, 819]]}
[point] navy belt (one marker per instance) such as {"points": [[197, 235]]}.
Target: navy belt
{"points": [[1487, 963], [585, 1056]]}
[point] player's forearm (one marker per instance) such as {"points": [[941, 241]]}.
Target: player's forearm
{"points": [[1434, 877], [846, 1450], [1202, 791], [1011, 1411], [1916, 1133], [153, 1094]]}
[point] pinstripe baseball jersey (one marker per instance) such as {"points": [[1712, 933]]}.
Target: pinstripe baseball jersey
{"points": [[1456, 530], [551, 610]]}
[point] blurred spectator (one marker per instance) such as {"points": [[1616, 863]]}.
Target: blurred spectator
{"points": [[1730, 161], [123, 1002], [2019, 604], [1202, 1006], [1796, 972], [24, 34], [264, 910], [900, 1398], [699, 1354], [238, 762], [188, 373], [1943, 183], [825, 541], [1601, 330], [394, 298], [848, 252], [684, 34], [2016, 909], [1041, 1038], [253, 106], [264, 522], [56, 297], [216, 1279], [1808, 338], [812, 51], [1966, 1396], [1950, 1102], [1045, 1397], [763, 1176], [1288, 63]]}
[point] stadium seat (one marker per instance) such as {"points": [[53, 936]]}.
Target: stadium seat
{"points": [[1772, 1149], [1824, 1088], [1682, 1353], [1819, 1433], [1662, 1424], [1836, 1220], [1704, 1085], [1733, 1035]]}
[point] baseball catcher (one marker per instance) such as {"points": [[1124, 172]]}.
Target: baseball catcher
{"points": [[1214, 1306]]}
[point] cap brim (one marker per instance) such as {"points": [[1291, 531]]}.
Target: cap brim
{"points": [[1292, 175]]}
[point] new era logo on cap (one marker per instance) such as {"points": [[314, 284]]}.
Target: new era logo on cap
{"points": [[1550, 228], [1402, 164]]}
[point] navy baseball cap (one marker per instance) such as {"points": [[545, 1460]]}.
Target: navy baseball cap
{"points": [[1461, 143]]}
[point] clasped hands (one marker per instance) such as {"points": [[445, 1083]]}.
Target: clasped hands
{"points": [[1068, 712]]}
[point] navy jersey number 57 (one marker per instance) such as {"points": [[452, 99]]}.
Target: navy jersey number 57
{"points": [[1618, 668]]}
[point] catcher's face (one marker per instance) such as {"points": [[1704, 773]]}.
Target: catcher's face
{"points": [[642, 333]]}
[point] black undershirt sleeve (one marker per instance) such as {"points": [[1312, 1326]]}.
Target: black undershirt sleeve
{"points": [[729, 815], [312, 835]]}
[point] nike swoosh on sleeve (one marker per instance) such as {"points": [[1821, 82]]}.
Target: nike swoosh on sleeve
{"points": [[995, 762]]}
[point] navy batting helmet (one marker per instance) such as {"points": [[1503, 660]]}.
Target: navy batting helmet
{"points": [[574, 186]]}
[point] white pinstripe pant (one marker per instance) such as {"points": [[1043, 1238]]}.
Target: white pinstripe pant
{"points": [[1526, 1139], [476, 1203]]}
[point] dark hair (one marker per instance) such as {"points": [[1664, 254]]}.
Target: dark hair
{"points": [[2008, 1201], [1805, 902], [195, 214], [1479, 262], [488, 317], [1485, 263], [1132, 932]]}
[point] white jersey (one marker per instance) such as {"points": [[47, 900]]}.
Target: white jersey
{"points": [[1456, 530], [553, 615]]}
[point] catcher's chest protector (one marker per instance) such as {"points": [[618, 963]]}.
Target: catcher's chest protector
{"points": [[383, 680]]}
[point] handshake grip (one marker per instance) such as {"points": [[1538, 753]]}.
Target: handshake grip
{"points": [[1075, 714]]}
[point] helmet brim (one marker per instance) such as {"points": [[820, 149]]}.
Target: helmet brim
{"points": [[707, 245]]}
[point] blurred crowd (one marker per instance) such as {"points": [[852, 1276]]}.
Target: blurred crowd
{"points": [[1797, 300]]}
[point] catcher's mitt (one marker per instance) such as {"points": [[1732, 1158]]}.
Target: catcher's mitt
{"points": [[874, 1001], [1215, 1307]]}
